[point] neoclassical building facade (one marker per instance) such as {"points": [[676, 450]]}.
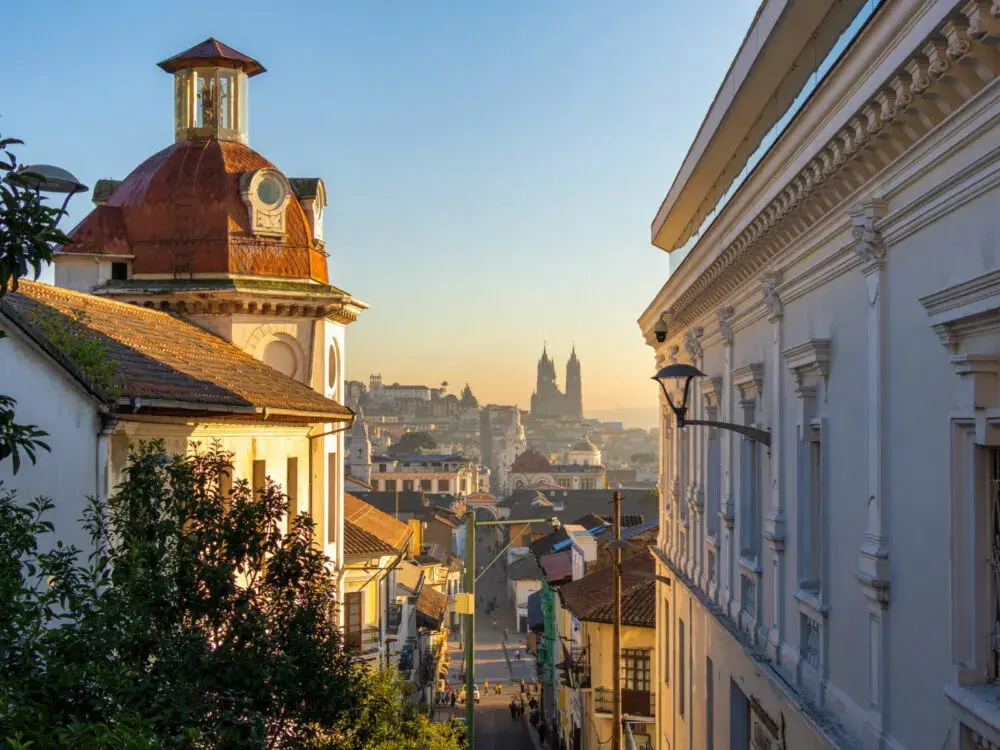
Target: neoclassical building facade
{"points": [[839, 587]]}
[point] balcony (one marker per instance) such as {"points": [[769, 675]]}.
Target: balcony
{"points": [[395, 617], [365, 640], [634, 702]]}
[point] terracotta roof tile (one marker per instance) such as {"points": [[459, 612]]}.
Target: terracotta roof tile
{"points": [[590, 597], [374, 532], [161, 357]]}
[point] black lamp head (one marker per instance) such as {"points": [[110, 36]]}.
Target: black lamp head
{"points": [[670, 372]]}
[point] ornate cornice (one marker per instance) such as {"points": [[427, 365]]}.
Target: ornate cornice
{"points": [[808, 359], [939, 77], [711, 389], [749, 376]]}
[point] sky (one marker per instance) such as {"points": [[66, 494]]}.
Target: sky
{"points": [[492, 168]]}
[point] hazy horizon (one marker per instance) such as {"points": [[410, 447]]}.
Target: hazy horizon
{"points": [[491, 169]]}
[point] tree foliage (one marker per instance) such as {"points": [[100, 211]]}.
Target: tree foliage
{"points": [[28, 234], [413, 442], [468, 400], [197, 621]]}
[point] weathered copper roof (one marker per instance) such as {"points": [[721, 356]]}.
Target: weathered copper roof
{"points": [[162, 360], [212, 52], [590, 597], [369, 531], [180, 212], [531, 462]]}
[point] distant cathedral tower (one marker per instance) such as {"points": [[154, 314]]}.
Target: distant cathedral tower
{"points": [[574, 386], [548, 400]]}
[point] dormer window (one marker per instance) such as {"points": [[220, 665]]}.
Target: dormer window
{"points": [[266, 193]]}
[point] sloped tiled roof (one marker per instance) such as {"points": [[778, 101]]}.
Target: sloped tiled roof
{"points": [[212, 52], [369, 531], [525, 569], [591, 598], [163, 361], [431, 605]]}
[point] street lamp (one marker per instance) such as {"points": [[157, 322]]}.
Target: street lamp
{"points": [[469, 607], [46, 178], [690, 372]]}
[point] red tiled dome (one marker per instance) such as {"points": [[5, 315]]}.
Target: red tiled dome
{"points": [[180, 211], [531, 462]]}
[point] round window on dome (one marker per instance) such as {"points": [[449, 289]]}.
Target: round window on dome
{"points": [[270, 191]]}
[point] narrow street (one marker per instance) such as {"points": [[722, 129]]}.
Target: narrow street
{"points": [[496, 661]]}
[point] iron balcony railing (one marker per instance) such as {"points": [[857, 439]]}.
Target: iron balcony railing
{"points": [[364, 639], [634, 702]]}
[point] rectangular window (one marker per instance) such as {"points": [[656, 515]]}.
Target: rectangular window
{"points": [[407, 485], [390, 485], [709, 704], [444, 485], [993, 571], [353, 618], [119, 271], [292, 486], [637, 669], [750, 499], [259, 476], [381, 468], [810, 513], [426, 485], [666, 642], [714, 481], [682, 469], [680, 667]]}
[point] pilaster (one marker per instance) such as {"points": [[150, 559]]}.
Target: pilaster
{"points": [[873, 562], [727, 515]]}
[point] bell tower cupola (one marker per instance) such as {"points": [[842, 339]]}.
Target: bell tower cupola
{"points": [[210, 92]]}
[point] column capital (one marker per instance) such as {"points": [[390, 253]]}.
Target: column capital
{"points": [[868, 244]]}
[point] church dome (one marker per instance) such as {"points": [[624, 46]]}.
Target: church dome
{"points": [[186, 210], [531, 462], [208, 205]]}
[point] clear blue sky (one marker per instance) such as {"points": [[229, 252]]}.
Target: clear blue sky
{"points": [[492, 168]]}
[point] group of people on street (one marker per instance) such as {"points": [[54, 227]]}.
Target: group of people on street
{"points": [[497, 687], [448, 696]]}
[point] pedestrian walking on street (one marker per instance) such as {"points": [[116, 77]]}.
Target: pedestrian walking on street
{"points": [[505, 633], [542, 732], [517, 654], [454, 698], [520, 708], [513, 709], [486, 686], [494, 623], [523, 686]]}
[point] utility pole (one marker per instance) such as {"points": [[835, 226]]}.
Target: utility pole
{"points": [[470, 626], [616, 645]]}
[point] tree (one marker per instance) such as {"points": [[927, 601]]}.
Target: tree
{"points": [[468, 400], [196, 622], [413, 442], [27, 235]]}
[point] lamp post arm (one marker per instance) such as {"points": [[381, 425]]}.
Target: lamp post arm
{"points": [[500, 553], [761, 436]]}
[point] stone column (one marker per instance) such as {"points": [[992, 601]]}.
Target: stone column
{"points": [[696, 488], [727, 514], [873, 557], [774, 521]]}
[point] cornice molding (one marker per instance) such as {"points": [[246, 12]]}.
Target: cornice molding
{"points": [[711, 389], [808, 359], [932, 84], [749, 376], [966, 309]]}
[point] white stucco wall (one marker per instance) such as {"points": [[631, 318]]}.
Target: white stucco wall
{"points": [[50, 399]]}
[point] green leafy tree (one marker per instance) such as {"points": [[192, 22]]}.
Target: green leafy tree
{"points": [[467, 399], [196, 622], [28, 234], [412, 442]]}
